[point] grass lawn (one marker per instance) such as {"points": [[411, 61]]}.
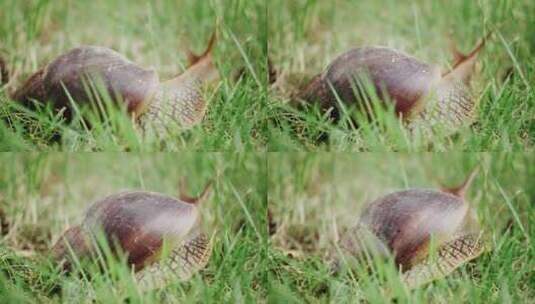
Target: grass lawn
{"points": [[305, 36], [154, 35], [314, 195], [55, 189]]}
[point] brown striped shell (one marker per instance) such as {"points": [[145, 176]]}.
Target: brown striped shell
{"points": [[394, 74], [122, 78], [418, 91], [135, 223], [81, 74]]}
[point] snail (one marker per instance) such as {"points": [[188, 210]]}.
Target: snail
{"points": [[408, 225], [177, 102], [422, 94], [160, 235]]}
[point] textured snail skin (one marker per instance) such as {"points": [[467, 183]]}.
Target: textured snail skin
{"points": [[183, 261], [420, 93], [453, 106], [138, 224], [84, 73]]}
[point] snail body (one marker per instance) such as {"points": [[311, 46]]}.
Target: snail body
{"points": [[82, 73], [420, 92], [160, 235], [408, 225]]}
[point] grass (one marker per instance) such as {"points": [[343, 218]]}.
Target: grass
{"points": [[305, 36], [56, 188], [314, 196], [151, 34]]}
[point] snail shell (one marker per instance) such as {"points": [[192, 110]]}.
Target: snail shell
{"points": [[74, 70], [140, 224], [83, 73], [405, 224], [420, 92]]}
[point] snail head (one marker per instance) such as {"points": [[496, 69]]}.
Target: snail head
{"points": [[179, 102]]}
